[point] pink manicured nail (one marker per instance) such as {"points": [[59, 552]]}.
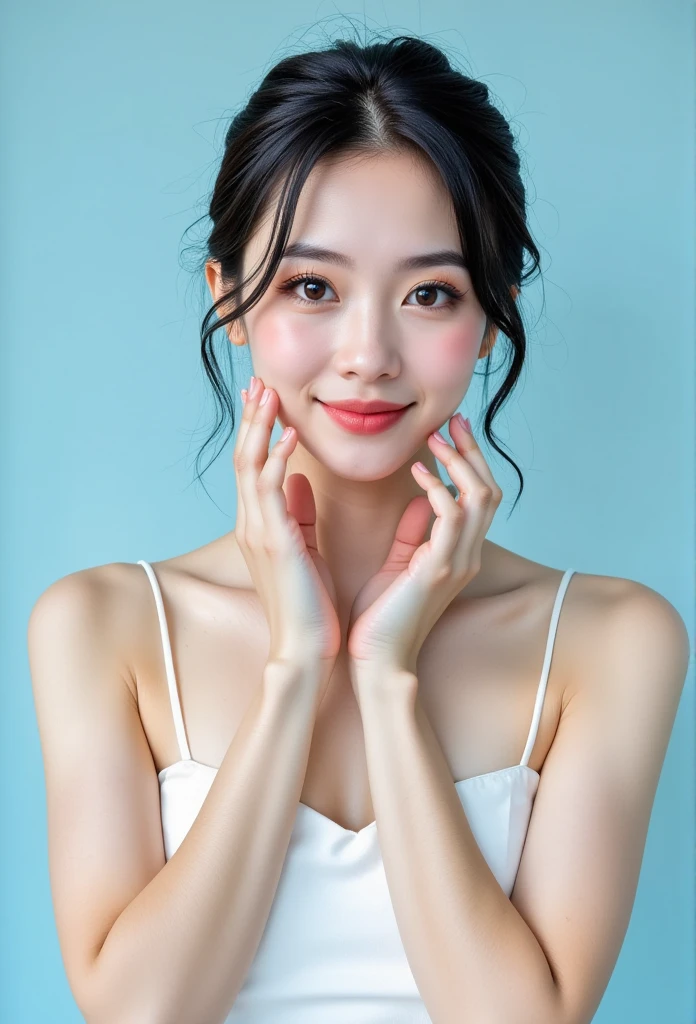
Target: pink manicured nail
{"points": [[464, 422], [438, 435]]}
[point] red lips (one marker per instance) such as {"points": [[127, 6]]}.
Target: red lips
{"points": [[370, 422], [365, 408]]}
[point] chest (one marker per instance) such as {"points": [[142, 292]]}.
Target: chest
{"points": [[479, 672]]}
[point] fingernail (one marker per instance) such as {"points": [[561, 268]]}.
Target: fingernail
{"points": [[464, 422], [438, 435]]}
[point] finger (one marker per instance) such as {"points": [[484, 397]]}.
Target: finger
{"points": [[468, 447], [250, 402], [278, 510], [476, 497], [251, 452], [301, 505], [450, 517], [409, 534], [475, 493], [247, 401], [281, 501]]}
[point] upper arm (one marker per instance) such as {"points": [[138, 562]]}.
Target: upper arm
{"points": [[579, 872], [102, 795]]}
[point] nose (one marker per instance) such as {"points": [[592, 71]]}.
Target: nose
{"points": [[368, 346]]}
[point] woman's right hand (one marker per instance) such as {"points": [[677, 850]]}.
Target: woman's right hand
{"points": [[276, 533]]}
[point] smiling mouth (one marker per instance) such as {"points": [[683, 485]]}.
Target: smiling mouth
{"points": [[348, 407], [364, 423]]}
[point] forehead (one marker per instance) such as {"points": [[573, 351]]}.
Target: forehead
{"points": [[374, 207]]}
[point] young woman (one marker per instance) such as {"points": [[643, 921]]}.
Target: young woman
{"points": [[352, 761]]}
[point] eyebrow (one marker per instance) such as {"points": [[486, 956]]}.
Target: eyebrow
{"points": [[442, 257]]}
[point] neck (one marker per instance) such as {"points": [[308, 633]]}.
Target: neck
{"points": [[357, 520]]}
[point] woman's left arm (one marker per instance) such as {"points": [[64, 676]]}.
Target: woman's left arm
{"points": [[546, 954]]}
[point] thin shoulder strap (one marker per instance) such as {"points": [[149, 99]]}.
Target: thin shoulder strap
{"points": [[541, 690], [169, 665]]}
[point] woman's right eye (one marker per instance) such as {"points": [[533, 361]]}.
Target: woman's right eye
{"points": [[314, 288]]}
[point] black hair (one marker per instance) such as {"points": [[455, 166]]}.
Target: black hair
{"points": [[393, 95]]}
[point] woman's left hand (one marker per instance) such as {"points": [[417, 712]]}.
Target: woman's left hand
{"points": [[395, 610]]}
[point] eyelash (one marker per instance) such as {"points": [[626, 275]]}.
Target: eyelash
{"points": [[449, 289]]}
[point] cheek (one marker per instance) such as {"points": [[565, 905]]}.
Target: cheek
{"points": [[282, 349], [450, 355]]}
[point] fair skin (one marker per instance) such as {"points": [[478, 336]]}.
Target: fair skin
{"points": [[365, 336], [369, 334], [615, 680]]}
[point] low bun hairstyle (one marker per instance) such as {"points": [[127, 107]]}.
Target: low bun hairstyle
{"points": [[402, 93]]}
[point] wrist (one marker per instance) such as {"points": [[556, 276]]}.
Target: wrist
{"points": [[280, 675], [384, 684]]}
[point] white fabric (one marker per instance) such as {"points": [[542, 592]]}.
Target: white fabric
{"points": [[331, 951]]}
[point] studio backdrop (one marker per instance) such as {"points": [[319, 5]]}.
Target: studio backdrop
{"points": [[113, 117]]}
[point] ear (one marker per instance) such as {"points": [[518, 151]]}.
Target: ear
{"points": [[213, 275], [491, 334], [488, 341]]}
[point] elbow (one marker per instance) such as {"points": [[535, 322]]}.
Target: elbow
{"points": [[558, 1010], [122, 1015], [101, 1002]]}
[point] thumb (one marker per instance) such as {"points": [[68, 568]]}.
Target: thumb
{"points": [[409, 535], [300, 502]]}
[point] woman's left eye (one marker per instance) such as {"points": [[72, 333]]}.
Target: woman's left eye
{"points": [[426, 291], [429, 287]]}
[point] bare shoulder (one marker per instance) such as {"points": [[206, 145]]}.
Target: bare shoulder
{"points": [[613, 631], [628, 653], [621, 622], [105, 606], [102, 795]]}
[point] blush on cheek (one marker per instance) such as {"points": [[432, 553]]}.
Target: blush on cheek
{"points": [[281, 344], [452, 355], [459, 343]]}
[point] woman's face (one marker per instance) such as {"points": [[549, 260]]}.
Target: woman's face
{"points": [[365, 327]]}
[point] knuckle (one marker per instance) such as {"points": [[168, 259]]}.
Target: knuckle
{"points": [[457, 513], [444, 573], [264, 485], [253, 539]]}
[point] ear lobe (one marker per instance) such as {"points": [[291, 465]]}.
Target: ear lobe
{"points": [[488, 341], [234, 330], [491, 333], [235, 333]]}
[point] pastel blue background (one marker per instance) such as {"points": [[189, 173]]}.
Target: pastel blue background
{"points": [[112, 120]]}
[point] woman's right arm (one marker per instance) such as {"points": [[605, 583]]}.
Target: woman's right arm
{"points": [[144, 940]]}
